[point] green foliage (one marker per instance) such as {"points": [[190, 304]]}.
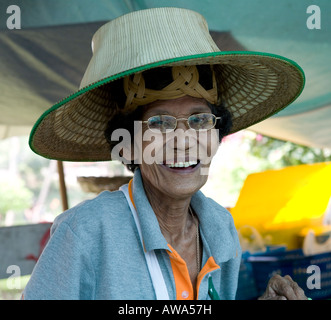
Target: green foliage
{"points": [[284, 153], [245, 153]]}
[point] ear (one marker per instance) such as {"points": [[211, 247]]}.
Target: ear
{"points": [[122, 150], [127, 153]]}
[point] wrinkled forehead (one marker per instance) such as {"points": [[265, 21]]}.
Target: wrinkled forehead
{"points": [[184, 106]]}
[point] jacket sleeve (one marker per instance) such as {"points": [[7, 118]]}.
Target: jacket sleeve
{"points": [[63, 271]]}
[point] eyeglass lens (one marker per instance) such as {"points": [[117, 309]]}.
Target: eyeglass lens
{"points": [[201, 121]]}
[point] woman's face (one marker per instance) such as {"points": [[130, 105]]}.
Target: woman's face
{"points": [[176, 163]]}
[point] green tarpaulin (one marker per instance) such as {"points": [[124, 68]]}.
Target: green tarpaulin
{"points": [[44, 61]]}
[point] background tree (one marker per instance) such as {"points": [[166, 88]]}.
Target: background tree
{"points": [[285, 153]]}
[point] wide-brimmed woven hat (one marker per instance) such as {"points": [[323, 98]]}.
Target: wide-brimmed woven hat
{"points": [[254, 85]]}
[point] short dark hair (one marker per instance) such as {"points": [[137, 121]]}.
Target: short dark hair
{"points": [[157, 79]]}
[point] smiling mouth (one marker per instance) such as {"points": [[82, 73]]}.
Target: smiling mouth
{"points": [[182, 166]]}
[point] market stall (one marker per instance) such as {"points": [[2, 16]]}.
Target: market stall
{"points": [[44, 60]]}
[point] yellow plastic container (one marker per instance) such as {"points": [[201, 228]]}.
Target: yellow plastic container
{"points": [[280, 203]]}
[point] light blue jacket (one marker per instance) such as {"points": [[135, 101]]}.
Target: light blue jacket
{"points": [[95, 252]]}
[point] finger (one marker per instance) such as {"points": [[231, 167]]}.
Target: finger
{"points": [[279, 298], [272, 298], [292, 290], [282, 286], [298, 291], [288, 288], [288, 277]]}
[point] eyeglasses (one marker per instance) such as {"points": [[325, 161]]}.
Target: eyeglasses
{"points": [[166, 123]]}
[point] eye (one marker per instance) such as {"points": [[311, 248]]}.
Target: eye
{"points": [[155, 121], [202, 121], [162, 123]]}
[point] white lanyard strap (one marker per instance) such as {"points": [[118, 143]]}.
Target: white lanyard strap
{"points": [[152, 262]]}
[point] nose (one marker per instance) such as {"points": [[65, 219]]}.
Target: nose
{"points": [[182, 143], [182, 124]]}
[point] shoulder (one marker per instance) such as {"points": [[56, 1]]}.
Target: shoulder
{"points": [[218, 213], [90, 214], [218, 226], [210, 206], [213, 214]]}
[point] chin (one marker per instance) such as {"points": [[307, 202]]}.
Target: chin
{"points": [[184, 186]]}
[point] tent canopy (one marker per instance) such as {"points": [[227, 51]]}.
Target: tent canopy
{"points": [[44, 61]]}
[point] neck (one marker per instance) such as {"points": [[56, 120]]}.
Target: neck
{"points": [[172, 214]]}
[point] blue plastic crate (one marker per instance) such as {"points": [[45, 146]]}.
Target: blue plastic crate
{"points": [[247, 289], [295, 264]]}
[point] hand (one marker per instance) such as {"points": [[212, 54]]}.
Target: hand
{"points": [[283, 288]]}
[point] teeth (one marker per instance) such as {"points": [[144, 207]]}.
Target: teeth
{"points": [[181, 164]]}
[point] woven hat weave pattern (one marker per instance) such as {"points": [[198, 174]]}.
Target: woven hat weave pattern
{"points": [[254, 85], [185, 82]]}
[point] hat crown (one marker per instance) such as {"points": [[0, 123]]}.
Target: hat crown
{"points": [[145, 37]]}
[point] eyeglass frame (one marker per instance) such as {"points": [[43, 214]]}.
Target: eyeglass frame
{"points": [[181, 119]]}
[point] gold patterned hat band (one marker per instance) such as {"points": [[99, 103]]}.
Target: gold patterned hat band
{"points": [[185, 82]]}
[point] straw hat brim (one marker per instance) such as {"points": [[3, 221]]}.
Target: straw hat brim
{"points": [[254, 85]]}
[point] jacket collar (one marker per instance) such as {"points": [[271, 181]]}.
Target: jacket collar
{"points": [[217, 229]]}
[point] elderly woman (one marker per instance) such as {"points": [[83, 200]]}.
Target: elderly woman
{"points": [[159, 96]]}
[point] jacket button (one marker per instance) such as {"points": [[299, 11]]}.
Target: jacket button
{"points": [[185, 294]]}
